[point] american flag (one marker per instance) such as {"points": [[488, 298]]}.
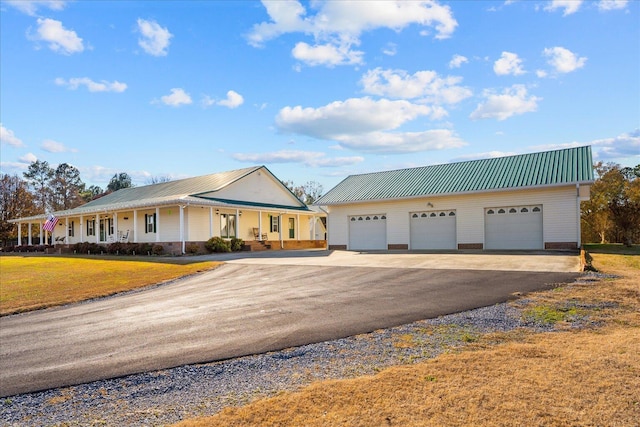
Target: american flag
{"points": [[50, 224]]}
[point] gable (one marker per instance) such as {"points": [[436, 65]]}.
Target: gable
{"points": [[258, 187]]}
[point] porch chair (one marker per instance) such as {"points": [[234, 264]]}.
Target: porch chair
{"points": [[256, 234], [124, 237]]}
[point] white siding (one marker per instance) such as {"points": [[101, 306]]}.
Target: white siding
{"points": [[196, 220], [560, 219], [257, 187]]}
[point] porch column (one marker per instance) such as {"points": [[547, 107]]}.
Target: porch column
{"points": [[135, 226], [280, 230], [157, 224], [29, 242], [19, 234], [40, 224], [81, 229], [66, 231], [210, 221], [115, 227], [297, 226], [260, 225], [237, 222], [97, 228], [182, 242], [313, 228]]}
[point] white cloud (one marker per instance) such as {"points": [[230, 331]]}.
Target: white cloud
{"points": [[155, 39], [8, 137], [326, 54], [509, 63], [569, 6], [401, 142], [606, 5], [177, 98], [234, 100], [457, 61], [563, 60], [624, 146], [30, 7], [390, 49], [424, 85], [353, 116], [337, 25], [52, 146], [512, 101], [102, 86], [59, 38], [28, 158], [308, 158], [541, 73]]}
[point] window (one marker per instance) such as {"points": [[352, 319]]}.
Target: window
{"points": [[525, 210], [353, 218], [368, 218], [513, 210], [71, 229], [414, 216], [383, 217], [375, 217], [149, 221], [228, 225], [536, 209], [275, 224], [501, 211], [424, 215], [91, 227], [452, 213], [490, 212], [432, 215], [443, 214]]}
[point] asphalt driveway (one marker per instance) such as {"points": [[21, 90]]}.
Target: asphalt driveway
{"points": [[249, 306]]}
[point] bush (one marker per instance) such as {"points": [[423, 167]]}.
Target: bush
{"points": [[236, 244], [157, 249], [86, 248], [192, 248], [217, 244]]}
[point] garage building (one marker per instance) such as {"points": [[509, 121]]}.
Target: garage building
{"points": [[523, 202]]}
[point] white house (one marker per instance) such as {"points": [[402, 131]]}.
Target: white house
{"points": [[250, 204], [529, 201]]}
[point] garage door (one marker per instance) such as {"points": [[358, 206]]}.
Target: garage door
{"points": [[367, 232], [433, 230], [513, 227]]}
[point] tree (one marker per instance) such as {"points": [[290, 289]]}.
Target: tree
{"points": [[39, 175], [15, 202], [158, 179], [91, 193], [66, 187], [613, 211], [119, 181], [308, 192]]}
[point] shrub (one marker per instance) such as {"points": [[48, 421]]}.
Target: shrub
{"points": [[86, 247], [192, 248], [157, 249], [217, 244], [144, 249], [236, 244]]}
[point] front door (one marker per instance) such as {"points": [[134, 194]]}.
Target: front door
{"points": [[227, 225], [292, 228]]}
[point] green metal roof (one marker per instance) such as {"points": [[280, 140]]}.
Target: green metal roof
{"points": [[549, 168]]}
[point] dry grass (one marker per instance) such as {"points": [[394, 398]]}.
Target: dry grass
{"points": [[589, 377], [35, 282]]}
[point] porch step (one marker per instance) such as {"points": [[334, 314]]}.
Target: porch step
{"points": [[256, 245]]}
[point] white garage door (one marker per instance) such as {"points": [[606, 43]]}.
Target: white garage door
{"points": [[367, 232], [513, 227], [433, 230]]}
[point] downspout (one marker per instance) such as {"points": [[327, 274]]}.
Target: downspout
{"points": [[579, 239]]}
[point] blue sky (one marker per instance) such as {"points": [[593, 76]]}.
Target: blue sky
{"points": [[314, 90]]}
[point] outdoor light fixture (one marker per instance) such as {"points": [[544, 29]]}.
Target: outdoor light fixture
{"points": [[430, 204]]}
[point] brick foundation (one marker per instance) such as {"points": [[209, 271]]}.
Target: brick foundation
{"points": [[337, 247], [397, 246], [561, 245], [470, 246]]}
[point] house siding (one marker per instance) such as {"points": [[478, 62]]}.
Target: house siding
{"points": [[560, 220]]}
